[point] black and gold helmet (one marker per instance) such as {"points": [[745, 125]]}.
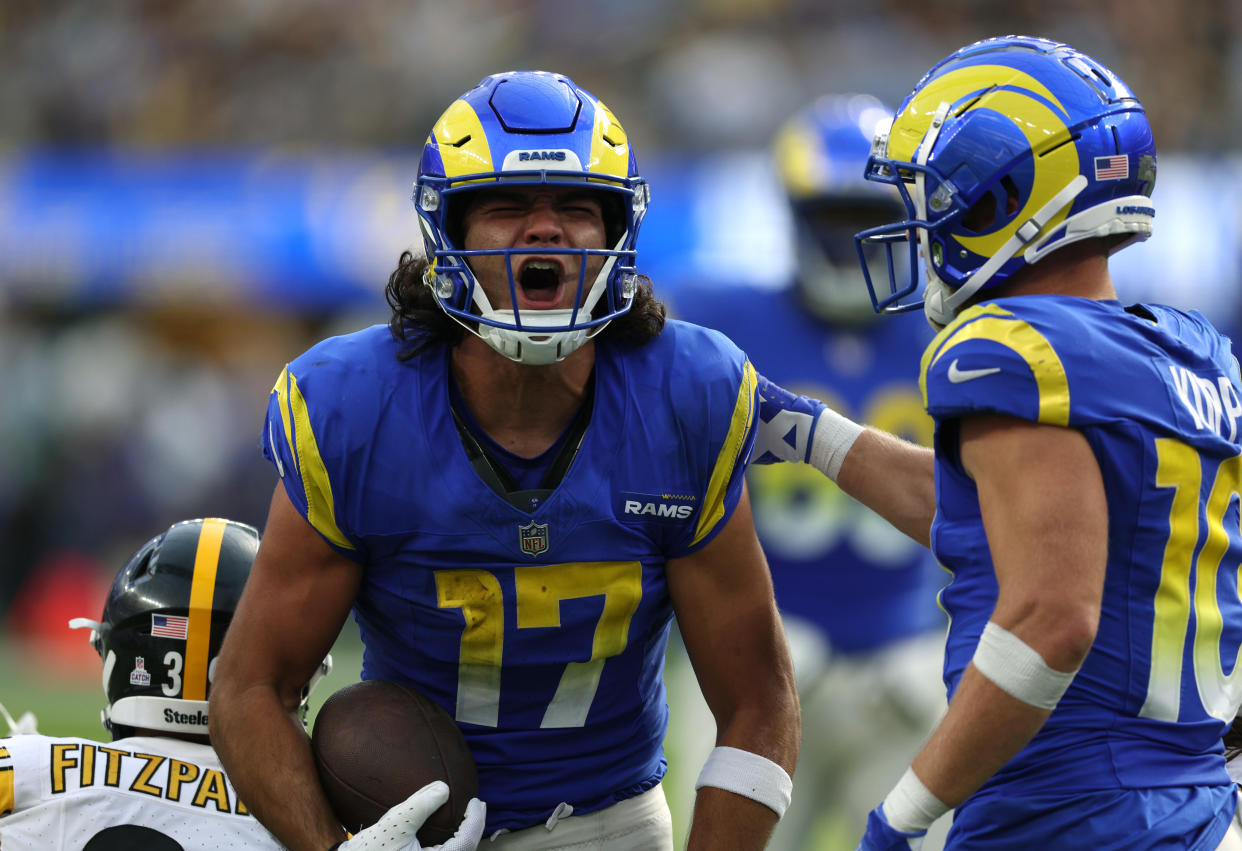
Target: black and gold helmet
{"points": [[163, 624]]}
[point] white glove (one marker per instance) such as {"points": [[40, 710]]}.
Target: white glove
{"points": [[397, 829]]}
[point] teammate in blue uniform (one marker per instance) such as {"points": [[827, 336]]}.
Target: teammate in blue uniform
{"points": [[858, 598], [1086, 471], [515, 486]]}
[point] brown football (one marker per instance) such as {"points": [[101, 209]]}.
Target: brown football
{"points": [[377, 742]]}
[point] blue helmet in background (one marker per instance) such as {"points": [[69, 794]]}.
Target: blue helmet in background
{"points": [[820, 155], [1006, 150], [529, 128]]}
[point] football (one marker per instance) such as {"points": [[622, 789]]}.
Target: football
{"points": [[376, 743]]}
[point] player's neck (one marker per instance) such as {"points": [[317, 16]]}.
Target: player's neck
{"points": [[523, 408], [1077, 270], [142, 732]]}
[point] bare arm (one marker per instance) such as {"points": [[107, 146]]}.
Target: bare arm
{"points": [[728, 619], [894, 478], [1046, 518], [299, 593], [891, 476]]}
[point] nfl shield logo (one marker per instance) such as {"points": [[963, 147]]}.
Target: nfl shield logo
{"points": [[533, 538]]}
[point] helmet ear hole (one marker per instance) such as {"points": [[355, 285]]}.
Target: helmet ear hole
{"points": [[1012, 202], [982, 215]]}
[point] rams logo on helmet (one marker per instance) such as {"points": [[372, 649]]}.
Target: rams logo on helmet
{"points": [[525, 156]]}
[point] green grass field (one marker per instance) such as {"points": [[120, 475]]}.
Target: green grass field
{"points": [[65, 694], [63, 690]]}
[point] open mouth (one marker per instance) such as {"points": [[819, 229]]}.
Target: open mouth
{"points": [[539, 283]]}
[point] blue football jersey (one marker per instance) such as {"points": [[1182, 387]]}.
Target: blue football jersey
{"points": [[834, 562], [543, 634], [1156, 393]]}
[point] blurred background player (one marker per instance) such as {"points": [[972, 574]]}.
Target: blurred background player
{"points": [[159, 784], [856, 596]]}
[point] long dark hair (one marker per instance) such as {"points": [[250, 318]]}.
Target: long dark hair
{"points": [[417, 321]]}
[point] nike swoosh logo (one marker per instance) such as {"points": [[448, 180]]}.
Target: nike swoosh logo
{"points": [[957, 376]]}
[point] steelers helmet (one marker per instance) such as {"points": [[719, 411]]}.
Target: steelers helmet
{"points": [[525, 129], [1006, 150], [163, 623], [819, 155]]}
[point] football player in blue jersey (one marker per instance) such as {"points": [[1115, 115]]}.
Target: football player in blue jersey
{"points": [[515, 486], [858, 598], [1085, 482]]}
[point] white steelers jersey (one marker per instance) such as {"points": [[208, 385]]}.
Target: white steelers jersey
{"points": [[157, 794]]}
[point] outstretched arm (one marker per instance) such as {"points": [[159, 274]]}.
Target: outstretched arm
{"points": [[891, 476], [725, 609]]}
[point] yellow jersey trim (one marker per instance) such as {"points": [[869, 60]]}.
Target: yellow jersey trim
{"points": [[739, 428], [990, 322], [316, 485]]}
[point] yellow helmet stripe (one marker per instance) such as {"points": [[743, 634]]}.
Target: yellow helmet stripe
{"points": [[461, 141], [798, 159], [911, 125], [1000, 326], [726, 460], [202, 594], [1053, 168], [610, 149], [1024, 100]]}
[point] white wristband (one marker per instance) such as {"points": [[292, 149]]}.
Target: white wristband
{"points": [[1018, 669], [747, 774], [911, 807], [831, 442]]}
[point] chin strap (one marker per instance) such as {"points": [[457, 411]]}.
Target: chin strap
{"points": [[532, 346], [1130, 214], [941, 307]]}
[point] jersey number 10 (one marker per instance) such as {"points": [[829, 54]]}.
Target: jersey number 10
{"points": [[1180, 468]]}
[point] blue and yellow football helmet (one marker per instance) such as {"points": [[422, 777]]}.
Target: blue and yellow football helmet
{"points": [[1053, 144], [819, 155], [529, 128]]}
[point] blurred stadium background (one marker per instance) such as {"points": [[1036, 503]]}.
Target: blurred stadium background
{"points": [[192, 192]]}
